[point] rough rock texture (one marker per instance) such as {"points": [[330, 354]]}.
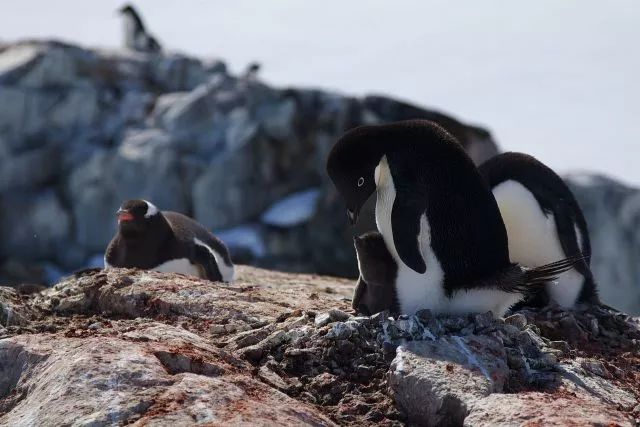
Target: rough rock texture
{"points": [[82, 130], [125, 346], [612, 210]]}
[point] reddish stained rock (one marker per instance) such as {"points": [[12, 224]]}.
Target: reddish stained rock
{"points": [[154, 375], [536, 409], [132, 347]]}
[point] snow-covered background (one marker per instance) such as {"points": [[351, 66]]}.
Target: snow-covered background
{"points": [[557, 79]]}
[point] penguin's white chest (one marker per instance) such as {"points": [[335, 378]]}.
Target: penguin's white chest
{"points": [[179, 265], [533, 238], [129, 31], [415, 291]]}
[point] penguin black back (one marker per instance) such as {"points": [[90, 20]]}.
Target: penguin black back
{"points": [[432, 174]]}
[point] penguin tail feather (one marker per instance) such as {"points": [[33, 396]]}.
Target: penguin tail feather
{"points": [[533, 280]]}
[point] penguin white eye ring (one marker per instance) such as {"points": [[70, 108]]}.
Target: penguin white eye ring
{"points": [[360, 181]]}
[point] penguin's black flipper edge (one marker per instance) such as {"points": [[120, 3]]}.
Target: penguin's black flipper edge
{"points": [[569, 241], [203, 257], [405, 225]]}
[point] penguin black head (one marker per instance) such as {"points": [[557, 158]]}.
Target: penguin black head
{"points": [[127, 8], [351, 166], [135, 217], [375, 290]]}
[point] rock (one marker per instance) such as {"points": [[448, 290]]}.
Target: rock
{"points": [[612, 211], [518, 320], [135, 378], [138, 347], [437, 383], [14, 309], [29, 169], [578, 379], [34, 226], [595, 367], [548, 409]]}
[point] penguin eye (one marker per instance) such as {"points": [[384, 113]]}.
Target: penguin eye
{"points": [[360, 182]]}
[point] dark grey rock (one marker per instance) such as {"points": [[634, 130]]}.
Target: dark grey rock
{"points": [[518, 320], [438, 383], [33, 226], [612, 211]]}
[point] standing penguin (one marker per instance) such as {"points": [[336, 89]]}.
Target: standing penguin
{"points": [[544, 222], [251, 72], [167, 242], [437, 216], [135, 35]]}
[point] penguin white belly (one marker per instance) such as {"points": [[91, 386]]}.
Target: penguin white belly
{"points": [[533, 238], [129, 31], [417, 291], [179, 265]]}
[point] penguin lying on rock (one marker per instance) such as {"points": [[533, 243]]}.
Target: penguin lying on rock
{"points": [[437, 216], [544, 222], [167, 242]]}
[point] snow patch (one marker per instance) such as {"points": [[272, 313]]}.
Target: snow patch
{"points": [[244, 237], [293, 210]]}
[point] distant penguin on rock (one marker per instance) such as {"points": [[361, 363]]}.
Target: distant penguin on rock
{"points": [[167, 242], [437, 216], [251, 73], [135, 35], [544, 222]]}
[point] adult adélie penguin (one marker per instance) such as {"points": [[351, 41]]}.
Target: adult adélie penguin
{"points": [[544, 222], [437, 216]]}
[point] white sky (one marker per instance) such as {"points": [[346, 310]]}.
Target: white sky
{"points": [[559, 79]]}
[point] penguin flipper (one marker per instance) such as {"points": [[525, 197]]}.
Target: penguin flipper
{"points": [[203, 257], [569, 241], [405, 225]]}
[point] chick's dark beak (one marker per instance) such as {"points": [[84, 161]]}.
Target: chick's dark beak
{"points": [[353, 216]]}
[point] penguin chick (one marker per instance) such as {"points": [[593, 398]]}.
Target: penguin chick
{"points": [[438, 217], [167, 242], [544, 222], [375, 290], [135, 35]]}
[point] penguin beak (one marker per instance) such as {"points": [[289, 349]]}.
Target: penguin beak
{"points": [[353, 216], [124, 215]]}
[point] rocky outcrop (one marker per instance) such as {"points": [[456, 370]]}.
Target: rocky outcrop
{"points": [[82, 130], [118, 346], [612, 211]]}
